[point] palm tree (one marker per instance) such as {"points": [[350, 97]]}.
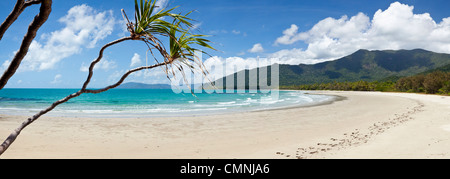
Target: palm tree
{"points": [[182, 51], [149, 26]]}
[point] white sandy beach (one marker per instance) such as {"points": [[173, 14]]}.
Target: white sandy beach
{"points": [[365, 125]]}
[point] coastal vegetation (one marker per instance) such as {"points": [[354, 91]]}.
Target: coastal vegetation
{"points": [[365, 65], [152, 26], [417, 71], [436, 82]]}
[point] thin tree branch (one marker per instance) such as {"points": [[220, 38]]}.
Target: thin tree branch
{"points": [[12, 17], [31, 2], [157, 44], [122, 79], [12, 137], [100, 56], [39, 20], [20, 6]]}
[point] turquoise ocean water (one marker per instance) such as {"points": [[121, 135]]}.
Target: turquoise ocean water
{"points": [[147, 102]]}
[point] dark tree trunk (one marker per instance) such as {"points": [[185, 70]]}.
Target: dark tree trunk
{"points": [[39, 20], [12, 137], [18, 9]]}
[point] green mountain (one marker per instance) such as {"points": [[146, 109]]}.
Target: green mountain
{"points": [[361, 65], [445, 68]]}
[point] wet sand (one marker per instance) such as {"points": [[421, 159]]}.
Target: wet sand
{"points": [[364, 125]]}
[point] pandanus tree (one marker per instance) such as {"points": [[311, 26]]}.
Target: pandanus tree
{"points": [[182, 49], [149, 27]]}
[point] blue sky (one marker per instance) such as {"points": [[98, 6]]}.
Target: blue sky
{"points": [[291, 31]]}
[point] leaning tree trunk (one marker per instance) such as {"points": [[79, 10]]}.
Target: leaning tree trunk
{"points": [[12, 137], [18, 9], [39, 20]]}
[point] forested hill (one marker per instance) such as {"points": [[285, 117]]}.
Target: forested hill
{"points": [[363, 65]]}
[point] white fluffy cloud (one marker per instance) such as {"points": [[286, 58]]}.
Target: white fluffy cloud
{"points": [[102, 65], [83, 27], [289, 36], [257, 48], [4, 66], [219, 67], [135, 60], [150, 76], [57, 79], [161, 4], [394, 28]]}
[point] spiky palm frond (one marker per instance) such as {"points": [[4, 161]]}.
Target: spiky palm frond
{"points": [[149, 21], [184, 51], [183, 46], [150, 24]]}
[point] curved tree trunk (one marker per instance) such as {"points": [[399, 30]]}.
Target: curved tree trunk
{"points": [[18, 9], [12, 137], [35, 25], [39, 20]]}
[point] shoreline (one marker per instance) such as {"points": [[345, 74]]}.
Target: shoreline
{"points": [[132, 114], [365, 125], [336, 98]]}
